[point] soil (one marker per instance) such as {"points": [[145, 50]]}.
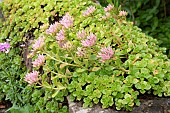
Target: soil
{"points": [[4, 105]]}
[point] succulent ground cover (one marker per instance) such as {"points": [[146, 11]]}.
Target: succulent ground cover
{"points": [[77, 48]]}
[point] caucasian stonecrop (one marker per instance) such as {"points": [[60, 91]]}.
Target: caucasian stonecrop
{"points": [[105, 53], [31, 77], [39, 61]]}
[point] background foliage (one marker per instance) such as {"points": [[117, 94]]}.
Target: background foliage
{"points": [[119, 81], [152, 16]]}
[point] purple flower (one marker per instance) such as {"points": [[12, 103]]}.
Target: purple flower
{"points": [[52, 28], [67, 21], [105, 53], [4, 47], [38, 43], [122, 13], [89, 11], [108, 8], [31, 77], [61, 35], [81, 34], [90, 41], [39, 61], [80, 52]]}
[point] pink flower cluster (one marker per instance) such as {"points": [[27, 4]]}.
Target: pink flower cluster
{"points": [[89, 11], [39, 61], [4, 47], [108, 8], [64, 44], [61, 43], [52, 28], [105, 54], [31, 77], [67, 45], [61, 35], [105, 16], [67, 21], [90, 41], [81, 34], [80, 52], [38, 43], [122, 13]]}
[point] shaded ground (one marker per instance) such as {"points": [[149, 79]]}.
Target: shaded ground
{"points": [[4, 105], [149, 104]]}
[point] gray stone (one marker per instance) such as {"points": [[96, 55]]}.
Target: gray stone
{"points": [[154, 105]]}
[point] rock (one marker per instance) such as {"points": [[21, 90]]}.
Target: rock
{"points": [[3, 110], [154, 105]]}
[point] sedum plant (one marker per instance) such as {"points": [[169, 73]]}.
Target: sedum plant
{"points": [[100, 58], [80, 49]]}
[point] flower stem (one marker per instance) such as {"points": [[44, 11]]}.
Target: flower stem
{"points": [[62, 61]]}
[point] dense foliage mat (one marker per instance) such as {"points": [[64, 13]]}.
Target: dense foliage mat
{"points": [[77, 48]]}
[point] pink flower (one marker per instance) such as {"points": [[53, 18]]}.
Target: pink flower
{"points": [[61, 35], [39, 61], [89, 11], [80, 52], [61, 43], [90, 41], [81, 34], [52, 28], [67, 45], [122, 13], [105, 16], [105, 54], [108, 8], [67, 21], [31, 77], [38, 43], [64, 44]]}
